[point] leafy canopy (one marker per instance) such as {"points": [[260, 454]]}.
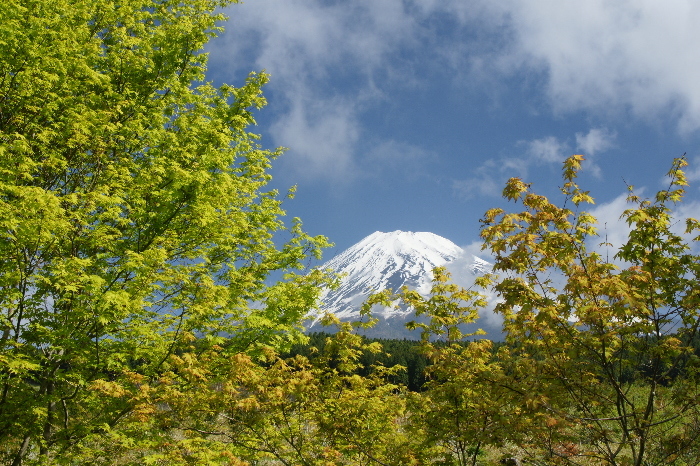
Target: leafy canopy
{"points": [[135, 223], [602, 353]]}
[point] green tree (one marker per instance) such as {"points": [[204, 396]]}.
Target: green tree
{"points": [[133, 218], [461, 411], [296, 411], [601, 354]]}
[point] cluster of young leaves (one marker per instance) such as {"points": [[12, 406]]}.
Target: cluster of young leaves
{"points": [[460, 410], [597, 345], [133, 215], [394, 352], [460, 414], [293, 411]]}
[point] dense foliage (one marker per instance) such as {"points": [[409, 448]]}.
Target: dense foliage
{"points": [[139, 323], [134, 218], [599, 343], [404, 352]]}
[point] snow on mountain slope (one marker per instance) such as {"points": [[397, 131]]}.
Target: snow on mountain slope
{"points": [[389, 260]]}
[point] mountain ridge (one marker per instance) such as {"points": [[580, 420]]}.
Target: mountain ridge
{"points": [[389, 261]]}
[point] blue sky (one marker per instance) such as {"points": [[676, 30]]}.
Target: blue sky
{"points": [[412, 114]]}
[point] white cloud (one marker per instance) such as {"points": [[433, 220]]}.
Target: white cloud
{"points": [[613, 229], [302, 44], [692, 171], [548, 150], [684, 211], [607, 56], [483, 182], [596, 140], [489, 178], [321, 136]]}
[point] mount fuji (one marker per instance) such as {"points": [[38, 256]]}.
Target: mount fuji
{"points": [[389, 261]]}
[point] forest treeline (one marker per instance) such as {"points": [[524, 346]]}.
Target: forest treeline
{"points": [[153, 289], [395, 352], [408, 355]]}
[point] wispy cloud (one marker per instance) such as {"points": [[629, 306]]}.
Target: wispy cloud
{"points": [[488, 179], [590, 144], [596, 140], [629, 59], [546, 150], [322, 135], [485, 180], [602, 56], [613, 229], [692, 172], [395, 158], [306, 45]]}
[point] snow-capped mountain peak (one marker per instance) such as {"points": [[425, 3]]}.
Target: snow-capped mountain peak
{"points": [[389, 261], [376, 260]]}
